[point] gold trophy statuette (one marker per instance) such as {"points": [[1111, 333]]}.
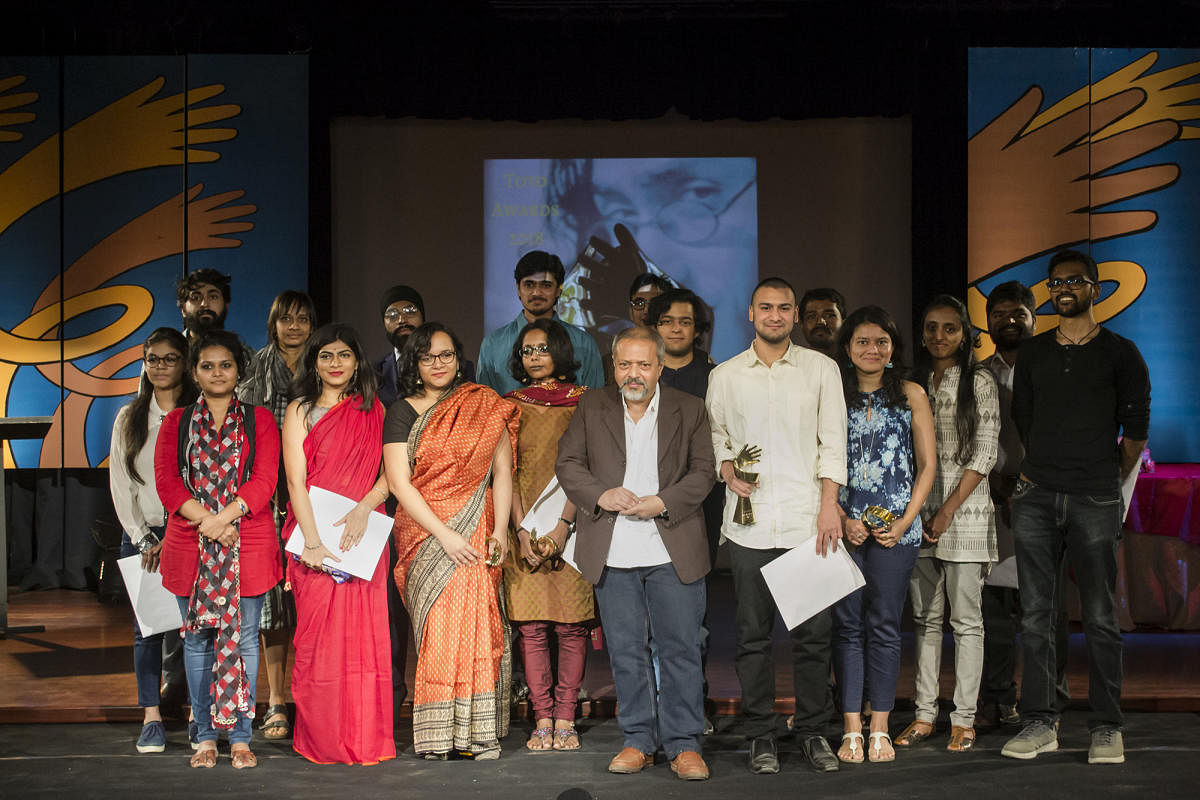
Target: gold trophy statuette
{"points": [[878, 518], [743, 512]]}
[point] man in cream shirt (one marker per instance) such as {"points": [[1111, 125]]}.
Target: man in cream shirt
{"points": [[788, 401]]}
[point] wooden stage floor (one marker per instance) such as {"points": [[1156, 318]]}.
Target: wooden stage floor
{"points": [[80, 669]]}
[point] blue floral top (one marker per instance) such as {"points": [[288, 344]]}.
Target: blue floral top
{"points": [[879, 455]]}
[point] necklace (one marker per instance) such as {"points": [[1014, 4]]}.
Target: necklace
{"points": [[1078, 341], [867, 454]]}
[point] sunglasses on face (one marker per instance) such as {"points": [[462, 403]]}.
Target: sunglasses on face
{"points": [[530, 349], [1073, 283]]}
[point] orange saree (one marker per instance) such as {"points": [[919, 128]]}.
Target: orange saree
{"points": [[460, 694]]}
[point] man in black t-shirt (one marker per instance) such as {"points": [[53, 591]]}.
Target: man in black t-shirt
{"points": [[1075, 390]]}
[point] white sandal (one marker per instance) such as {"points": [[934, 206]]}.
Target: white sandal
{"points": [[856, 753], [876, 751]]}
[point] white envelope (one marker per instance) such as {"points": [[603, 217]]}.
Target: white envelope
{"points": [[156, 609], [804, 583], [360, 560], [544, 515]]}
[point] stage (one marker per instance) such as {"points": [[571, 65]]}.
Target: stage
{"points": [[79, 671]]}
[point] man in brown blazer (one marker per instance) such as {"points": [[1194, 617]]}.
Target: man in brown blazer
{"points": [[637, 460]]}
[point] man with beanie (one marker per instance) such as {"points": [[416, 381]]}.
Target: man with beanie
{"points": [[403, 311]]}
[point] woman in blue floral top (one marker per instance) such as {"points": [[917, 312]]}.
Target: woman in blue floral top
{"points": [[890, 451]]}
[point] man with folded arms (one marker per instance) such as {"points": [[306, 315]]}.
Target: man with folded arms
{"points": [[637, 460], [788, 401]]}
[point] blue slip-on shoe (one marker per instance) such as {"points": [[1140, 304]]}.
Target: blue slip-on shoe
{"points": [[153, 738]]}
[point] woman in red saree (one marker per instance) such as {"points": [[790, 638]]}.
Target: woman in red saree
{"points": [[448, 449], [342, 678]]}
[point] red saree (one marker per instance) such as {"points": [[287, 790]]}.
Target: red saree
{"points": [[460, 695], [342, 678]]}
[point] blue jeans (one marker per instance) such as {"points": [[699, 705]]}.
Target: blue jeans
{"points": [[636, 604], [1086, 528], [866, 626], [198, 657], [148, 650]]}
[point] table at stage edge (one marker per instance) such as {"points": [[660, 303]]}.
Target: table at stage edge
{"points": [[1164, 500], [14, 428]]}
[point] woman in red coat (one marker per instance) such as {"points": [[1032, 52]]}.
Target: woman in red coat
{"points": [[220, 554]]}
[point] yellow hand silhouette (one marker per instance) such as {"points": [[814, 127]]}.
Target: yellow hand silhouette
{"points": [[1167, 97], [7, 104], [132, 133], [156, 234], [1030, 193]]}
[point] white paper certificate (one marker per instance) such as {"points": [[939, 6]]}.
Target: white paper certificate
{"points": [[804, 583], [156, 609], [544, 515], [360, 560]]}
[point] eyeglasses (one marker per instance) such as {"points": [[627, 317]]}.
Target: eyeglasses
{"points": [[393, 314], [1073, 283], [170, 359], [530, 349], [684, 221], [444, 357], [638, 302]]}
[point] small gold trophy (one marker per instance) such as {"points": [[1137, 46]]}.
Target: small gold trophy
{"points": [[877, 518], [743, 512]]}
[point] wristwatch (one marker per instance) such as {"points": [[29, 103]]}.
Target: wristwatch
{"points": [[570, 526], [147, 543]]}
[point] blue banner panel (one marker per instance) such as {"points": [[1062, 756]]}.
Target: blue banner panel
{"points": [[1128, 194], [168, 164]]}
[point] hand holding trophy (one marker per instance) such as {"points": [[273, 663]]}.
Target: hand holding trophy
{"points": [[743, 462]]}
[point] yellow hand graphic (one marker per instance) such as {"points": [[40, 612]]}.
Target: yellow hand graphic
{"points": [[8, 103], [130, 134], [156, 234], [1166, 98], [1030, 193]]}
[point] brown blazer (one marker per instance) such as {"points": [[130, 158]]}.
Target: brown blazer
{"points": [[591, 460]]}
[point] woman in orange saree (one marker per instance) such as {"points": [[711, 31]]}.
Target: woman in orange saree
{"points": [[449, 453], [342, 678]]}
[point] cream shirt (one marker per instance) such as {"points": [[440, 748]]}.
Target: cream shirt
{"points": [[796, 412], [637, 542], [137, 504]]}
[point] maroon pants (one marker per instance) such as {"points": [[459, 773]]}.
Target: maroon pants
{"points": [[551, 700]]}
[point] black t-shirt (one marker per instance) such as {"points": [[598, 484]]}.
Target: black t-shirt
{"points": [[1071, 402], [398, 422], [692, 377]]}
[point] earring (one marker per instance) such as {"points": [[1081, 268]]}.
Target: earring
{"points": [[889, 365], [419, 381]]}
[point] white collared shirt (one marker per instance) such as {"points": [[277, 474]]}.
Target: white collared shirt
{"points": [[795, 411], [637, 542]]}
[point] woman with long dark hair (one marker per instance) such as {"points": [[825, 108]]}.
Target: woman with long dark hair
{"points": [[273, 368], [215, 466], [164, 385], [890, 465], [546, 598], [960, 526], [449, 446], [332, 438]]}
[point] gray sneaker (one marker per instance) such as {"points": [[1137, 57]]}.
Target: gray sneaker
{"points": [[1108, 747], [1036, 737]]}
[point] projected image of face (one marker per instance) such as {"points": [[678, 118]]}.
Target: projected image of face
{"points": [[692, 220]]}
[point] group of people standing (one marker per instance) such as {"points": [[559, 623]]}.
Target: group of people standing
{"points": [[913, 470]]}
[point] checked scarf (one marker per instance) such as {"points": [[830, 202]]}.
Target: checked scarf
{"points": [[213, 462]]}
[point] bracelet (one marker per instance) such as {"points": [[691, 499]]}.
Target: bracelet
{"points": [[312, 547], [242, 505]]}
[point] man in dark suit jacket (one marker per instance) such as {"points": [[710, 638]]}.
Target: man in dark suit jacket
{"points": [[637, 460], [403, 311]]}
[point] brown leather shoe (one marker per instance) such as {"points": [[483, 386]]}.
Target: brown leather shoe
{"points": [[689, 766], [961, 739], [630, 760]]}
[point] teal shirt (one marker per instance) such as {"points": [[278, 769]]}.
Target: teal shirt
{"points": [[497, 346]]}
